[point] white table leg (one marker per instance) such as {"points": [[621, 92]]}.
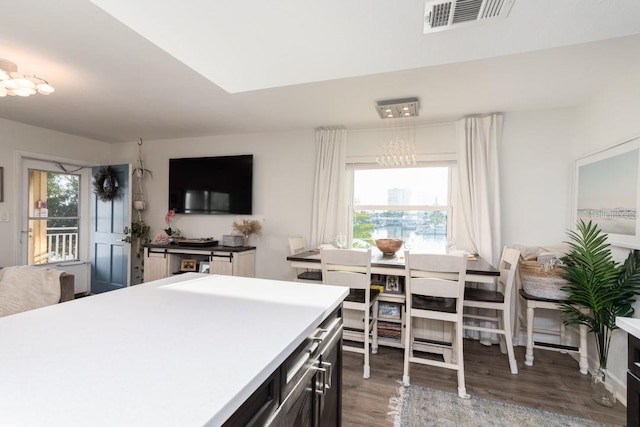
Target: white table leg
{"points": [[528, 359]]}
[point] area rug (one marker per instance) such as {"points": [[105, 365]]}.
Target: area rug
{"points": [[421, 406]]}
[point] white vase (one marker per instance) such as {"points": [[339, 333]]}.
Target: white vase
{"points": [[139, 205]]}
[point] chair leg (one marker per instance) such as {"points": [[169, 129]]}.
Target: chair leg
{"points": [[517, 326], [374, 330], [528, 358], [408, 342], [367, 370], [462, 389], [506, 327], [563, 335]]}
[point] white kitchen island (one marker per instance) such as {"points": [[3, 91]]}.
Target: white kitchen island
{"points": [[187, 350]]}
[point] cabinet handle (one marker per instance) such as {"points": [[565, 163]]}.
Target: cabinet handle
{"points": [[328, 367], [321, 387]]}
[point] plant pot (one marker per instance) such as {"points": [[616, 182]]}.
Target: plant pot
{"points": [[601, 394], [139, 205]]}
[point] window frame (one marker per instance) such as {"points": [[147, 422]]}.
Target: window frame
{"points": [[449, 208]]}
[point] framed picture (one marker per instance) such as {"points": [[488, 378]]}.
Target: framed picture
{"points": [[606, 186], [376, 279], [392, 285], [205, 267], [389, 310], [188, 265]]}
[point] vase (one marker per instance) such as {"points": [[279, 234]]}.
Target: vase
{"points": [[601, 394], [246, 239]]}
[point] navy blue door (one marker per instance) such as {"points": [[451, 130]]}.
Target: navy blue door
{"points": [[110, 223]]}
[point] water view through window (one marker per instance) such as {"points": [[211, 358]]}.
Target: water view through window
{"points": [[402, 203]]}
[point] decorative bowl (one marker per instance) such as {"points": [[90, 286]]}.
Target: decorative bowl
{"points": [[389, 247]]}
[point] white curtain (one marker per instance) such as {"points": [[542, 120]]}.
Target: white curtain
{"points": [[328, 215], [478, 143]]}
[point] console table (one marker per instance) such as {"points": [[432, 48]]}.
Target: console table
{"points": [[162, 261]]}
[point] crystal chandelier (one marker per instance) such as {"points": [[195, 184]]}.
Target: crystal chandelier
{"points": [[399, 149], [397, 152], [14, 84]]}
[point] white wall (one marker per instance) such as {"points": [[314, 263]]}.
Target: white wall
{"points": [[284, 168], [17, 137], [538, 154], [608, 119], [536, 176]]}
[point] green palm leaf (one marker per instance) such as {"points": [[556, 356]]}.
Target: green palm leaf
{"points": [[598, 283]]}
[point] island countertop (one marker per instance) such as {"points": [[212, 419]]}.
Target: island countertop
{"points": [[629, 325], [186, 350]]}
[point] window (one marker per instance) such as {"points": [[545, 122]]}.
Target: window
{"points": [[53, 217], [412, 204]]}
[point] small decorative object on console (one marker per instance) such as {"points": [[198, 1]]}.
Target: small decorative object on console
{"points": [[389, 247], [247, 227], [205, 241], [232, 240], [171, 232], [188, 265]]}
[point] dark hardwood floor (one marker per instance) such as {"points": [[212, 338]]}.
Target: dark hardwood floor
{"points": [[552, 384]]}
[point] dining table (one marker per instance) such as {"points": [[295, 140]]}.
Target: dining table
{"points": [[478, 269]]}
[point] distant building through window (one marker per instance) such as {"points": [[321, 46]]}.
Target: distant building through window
{"points": [[412, 204]]}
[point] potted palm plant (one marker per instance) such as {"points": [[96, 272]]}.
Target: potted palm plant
{"points": [[606, 288]]}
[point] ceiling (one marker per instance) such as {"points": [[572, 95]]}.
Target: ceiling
{"points": [[125, 70]]}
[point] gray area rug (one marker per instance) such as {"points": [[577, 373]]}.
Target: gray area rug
{"points": [[421, 406]]}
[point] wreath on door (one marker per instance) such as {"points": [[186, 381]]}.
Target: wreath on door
{"points": [[105, 184]]}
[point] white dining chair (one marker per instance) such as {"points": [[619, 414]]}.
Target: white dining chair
{"points": [[495, 305], [434, 289], [352, 268]]}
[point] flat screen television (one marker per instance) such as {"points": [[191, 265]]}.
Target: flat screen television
{"points": [[211, 185]]}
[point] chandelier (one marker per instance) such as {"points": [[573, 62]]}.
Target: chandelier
{"points": [[399, 148], [397, 152], [14, 84]]}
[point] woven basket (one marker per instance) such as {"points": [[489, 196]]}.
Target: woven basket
{"points": [[541, 283]]}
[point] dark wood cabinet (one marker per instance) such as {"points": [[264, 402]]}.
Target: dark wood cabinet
{"points": [[633, 382], [329, 407], [306, 390]]}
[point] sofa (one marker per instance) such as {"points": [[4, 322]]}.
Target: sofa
{"points": [[24, 288]]}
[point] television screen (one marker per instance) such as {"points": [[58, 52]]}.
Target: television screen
{"points": [[211, 185]]}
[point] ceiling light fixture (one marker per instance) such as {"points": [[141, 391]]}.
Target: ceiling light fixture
{"points": [[14, 84], [399, 148], [396, 108]]}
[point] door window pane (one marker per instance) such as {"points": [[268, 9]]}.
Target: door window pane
{"points": [[53, 217]]}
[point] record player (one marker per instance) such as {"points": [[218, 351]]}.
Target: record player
{"points": [[204, 241]]}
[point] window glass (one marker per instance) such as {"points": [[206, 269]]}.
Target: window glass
{"points": [[402, 203]]}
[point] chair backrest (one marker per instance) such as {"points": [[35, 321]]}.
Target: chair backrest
{"points": [[436, 275], [508, 267], [297, 245], [346, 267]]}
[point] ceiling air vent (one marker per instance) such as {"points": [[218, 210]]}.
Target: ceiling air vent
{"points": [[447, 14]]}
